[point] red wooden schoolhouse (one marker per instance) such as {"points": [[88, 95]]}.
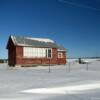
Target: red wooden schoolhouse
{"points": [[34, 51]]}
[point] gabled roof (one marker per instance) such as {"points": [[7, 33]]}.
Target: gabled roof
{"points": [[35, 42]]}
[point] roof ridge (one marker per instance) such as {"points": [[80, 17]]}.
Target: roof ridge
{"points": [[36, 39]]}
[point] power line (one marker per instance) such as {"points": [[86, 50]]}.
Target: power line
{"points": [[79, 5]]}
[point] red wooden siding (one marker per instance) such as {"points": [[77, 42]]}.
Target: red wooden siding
{"points": [[62, 60], [20, 60]]}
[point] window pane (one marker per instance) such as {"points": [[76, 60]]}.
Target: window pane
{"points": [[48, 53], [34, 52]]}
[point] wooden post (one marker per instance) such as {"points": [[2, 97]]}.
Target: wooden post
{"points": [[87, 66], [69, 67], [49, 66]]}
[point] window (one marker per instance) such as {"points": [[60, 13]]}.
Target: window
{"points": [[41, 52], [49, 53], [60, 55], [28, 52], [36, 52]]}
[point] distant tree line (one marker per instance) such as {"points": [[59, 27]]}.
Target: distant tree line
{"points": [[3, 60], [83, 57]]}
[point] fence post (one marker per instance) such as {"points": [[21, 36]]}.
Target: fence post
{"points": [[49, 66], [87, 67], [69, 67]]}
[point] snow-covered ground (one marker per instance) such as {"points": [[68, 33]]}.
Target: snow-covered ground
{"points": [[64, 82], [75, 60]]}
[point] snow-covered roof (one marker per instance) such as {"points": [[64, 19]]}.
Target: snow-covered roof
{"points": [[41, 39], [35, 42]]}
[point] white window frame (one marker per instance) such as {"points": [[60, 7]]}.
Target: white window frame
{"points": [[30, 52]]}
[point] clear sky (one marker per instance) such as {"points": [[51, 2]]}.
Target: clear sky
{"points": [[75, 24]]}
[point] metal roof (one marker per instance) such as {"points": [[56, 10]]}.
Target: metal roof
{"points": [[35, 42]]}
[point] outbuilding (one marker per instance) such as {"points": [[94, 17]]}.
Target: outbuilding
{"points": [[34, 51]]}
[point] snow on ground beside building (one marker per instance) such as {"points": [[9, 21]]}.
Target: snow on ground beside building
{"points": [[75, 60], [58, 84]]}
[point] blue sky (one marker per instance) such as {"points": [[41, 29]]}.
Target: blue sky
{"points": [[75, 24]]}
